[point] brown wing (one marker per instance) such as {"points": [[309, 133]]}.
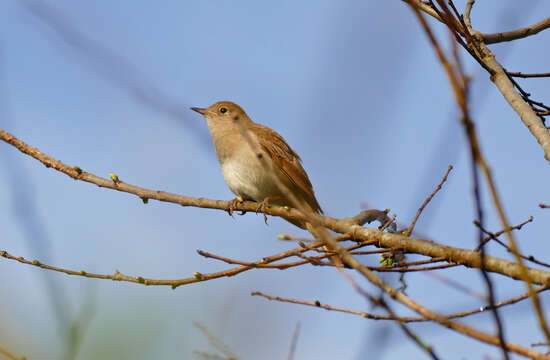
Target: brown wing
{"points": [[288, 161]]}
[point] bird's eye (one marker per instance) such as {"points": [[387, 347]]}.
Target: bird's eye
{"points": [[223, 110]]}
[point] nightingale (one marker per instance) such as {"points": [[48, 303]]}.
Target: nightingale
{"points": [[244, 174]]}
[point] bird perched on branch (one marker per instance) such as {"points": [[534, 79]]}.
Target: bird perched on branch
{"points": [[244, 173]]}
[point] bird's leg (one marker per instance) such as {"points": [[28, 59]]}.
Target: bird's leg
{"points": [[233, 204], [265, 204]]}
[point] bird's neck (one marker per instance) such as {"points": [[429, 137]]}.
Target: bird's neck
{"points": [[228, 140]]}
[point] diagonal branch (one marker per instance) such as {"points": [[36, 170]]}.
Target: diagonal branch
{"points": [[459, 84], [537, 127], [526, 113], [498, 233], [399, 296], [492, 38], [10, 355], [497, 73], [345, 226], [428, 199]]}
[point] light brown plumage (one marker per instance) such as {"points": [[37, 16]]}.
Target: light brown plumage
{"points": [[243, 173]]}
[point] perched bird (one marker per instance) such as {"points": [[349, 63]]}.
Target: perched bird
{"points": [[243, 172]]}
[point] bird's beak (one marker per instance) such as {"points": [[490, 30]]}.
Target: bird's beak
{"points": [[199, 110]]}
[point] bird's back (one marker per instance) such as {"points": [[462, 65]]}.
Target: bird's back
{"points": [[288, 162]]}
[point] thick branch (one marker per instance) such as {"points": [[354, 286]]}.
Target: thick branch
{"points": [[498, 74], [424, 7], [387, 240], [351, 261], [520, 106], [477, 158], [488, 38], [516, 34]]}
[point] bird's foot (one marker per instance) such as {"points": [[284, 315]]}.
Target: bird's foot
{"points": [[233, 204], [262, 207]]}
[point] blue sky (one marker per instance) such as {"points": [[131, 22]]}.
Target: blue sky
{"points": [[352, 85]]}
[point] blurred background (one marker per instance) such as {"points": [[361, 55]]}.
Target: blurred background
{"points": [[355, 89]]}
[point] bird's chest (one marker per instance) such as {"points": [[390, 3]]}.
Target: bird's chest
{"points": [[247, 178]]}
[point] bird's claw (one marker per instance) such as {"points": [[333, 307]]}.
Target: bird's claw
{"points": [[262, 207], [233, 204]]}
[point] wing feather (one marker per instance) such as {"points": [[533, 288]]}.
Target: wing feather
{"points": [[288, 162]]}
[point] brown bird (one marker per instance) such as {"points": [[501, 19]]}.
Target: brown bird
{"points": [[243, 173]]}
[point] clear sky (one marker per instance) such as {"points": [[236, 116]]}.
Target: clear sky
{"points": [[352, 85]]}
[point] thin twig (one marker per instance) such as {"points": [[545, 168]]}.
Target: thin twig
{"points": [[409, 269], [515, 227], [467, 12], [10, 355], [410, 333], [318, 304], [315, 225], [480, 161], [317, 228], [215, 342], [530, 258], [502, 81], [381, 302], [488, 38], [459, 85], [386, 240], [388, 223], [428, 199], [295, 335], [424, 7], [316, 260], [198, 277], [526, 75]]}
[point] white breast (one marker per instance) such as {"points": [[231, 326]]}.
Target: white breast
{"points": [[246, 178]]}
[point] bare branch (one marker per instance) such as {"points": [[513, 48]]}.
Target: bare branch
{"points": [[523, 75], [117, 276], [424, 7], [537, 128], [479, 160], [318, 304], [386, 240], [380, 301], [428, 199], [215, 342], [530, 258], [503, 82], [498, 233], [499, 77], [516, 34], [487, 38], [294, 342], [10, 355]]}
